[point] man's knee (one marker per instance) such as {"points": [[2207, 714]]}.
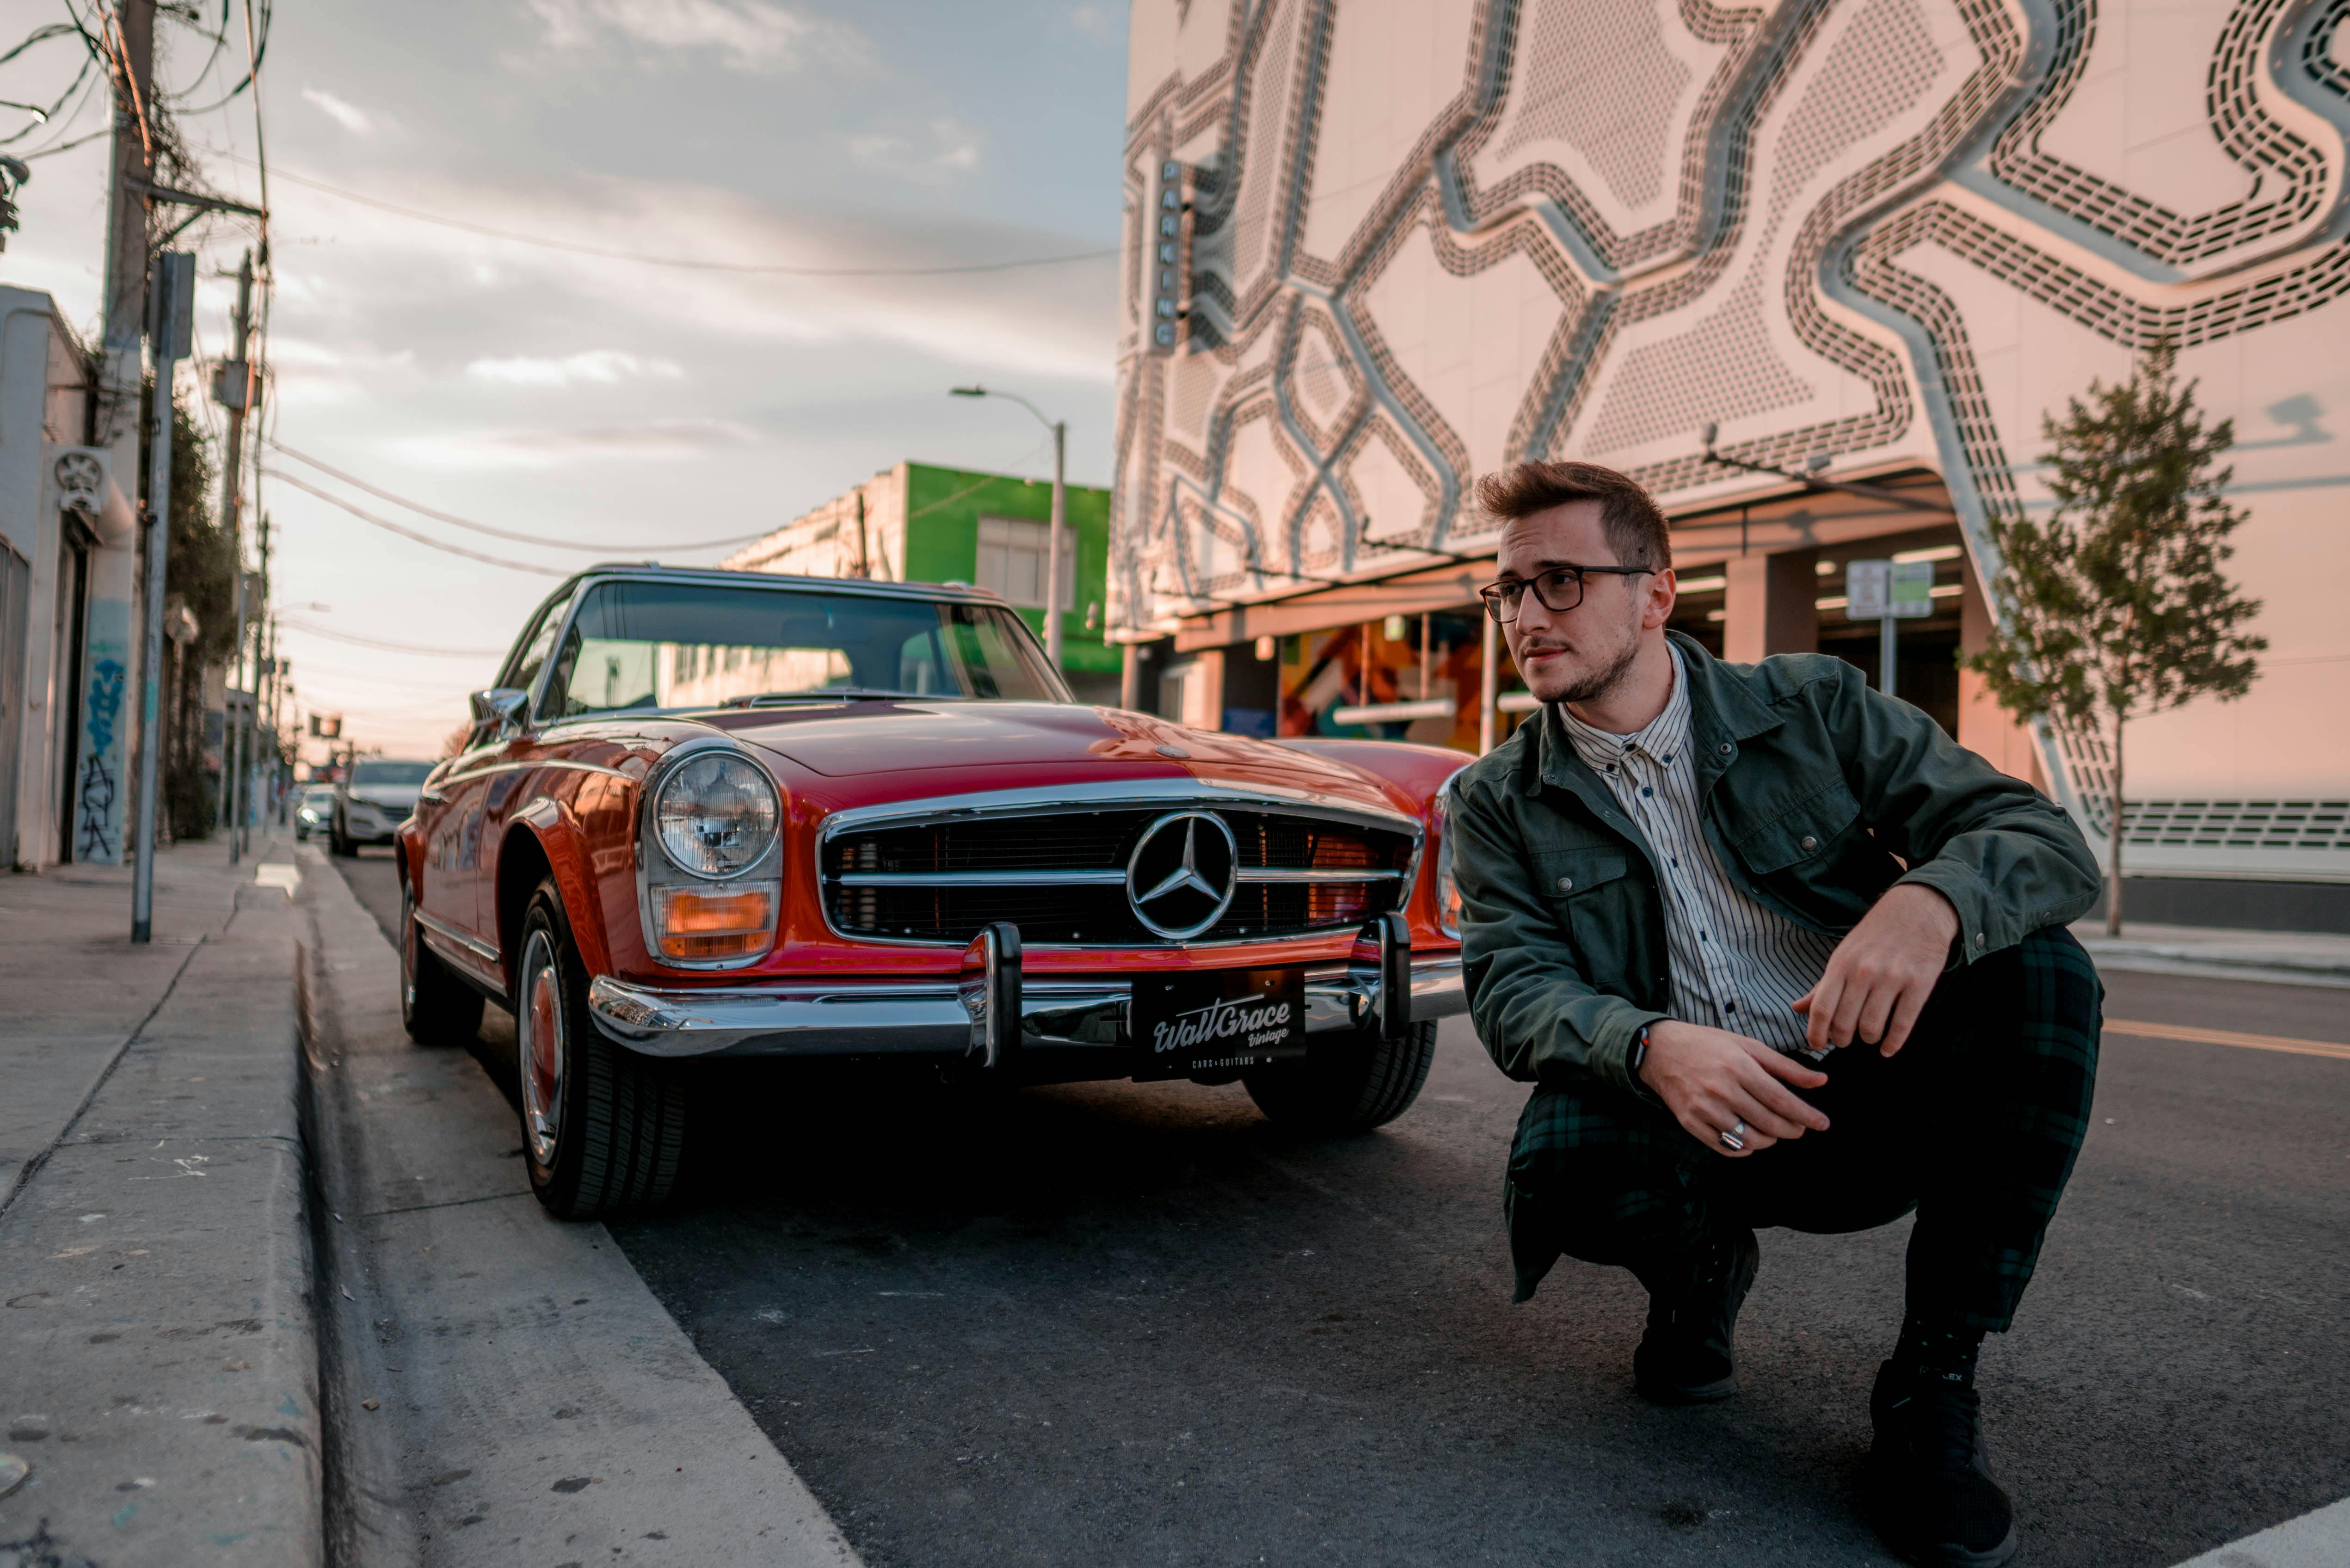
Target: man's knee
{"points": [[1599, 1175]]}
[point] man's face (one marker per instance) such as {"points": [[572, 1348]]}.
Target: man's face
{"points": [[1577, 655]]}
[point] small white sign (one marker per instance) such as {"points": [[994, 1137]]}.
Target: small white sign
{"points": [[1874, 590]]}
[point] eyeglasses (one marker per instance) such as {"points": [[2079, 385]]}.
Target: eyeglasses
{"points": [[1560, 589]]}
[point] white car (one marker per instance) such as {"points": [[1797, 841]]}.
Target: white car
{"points": [[370, 805], [314, 810]]}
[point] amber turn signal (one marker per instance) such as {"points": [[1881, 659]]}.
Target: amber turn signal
{"points": [[713, 922]]}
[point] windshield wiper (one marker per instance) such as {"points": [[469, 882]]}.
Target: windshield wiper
{"points": [[836, 694]]}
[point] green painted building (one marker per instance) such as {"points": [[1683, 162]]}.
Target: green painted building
{"points": [[921, 524]]}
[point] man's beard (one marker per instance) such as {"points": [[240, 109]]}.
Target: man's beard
{"points": [[1599, 683]]}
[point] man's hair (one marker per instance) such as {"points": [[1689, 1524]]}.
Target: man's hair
{"points": [[1636, 528]]}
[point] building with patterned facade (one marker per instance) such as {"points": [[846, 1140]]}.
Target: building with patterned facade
{"points": [[1812, 270]]}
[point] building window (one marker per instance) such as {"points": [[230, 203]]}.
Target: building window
{"points": [[1011, 555]]}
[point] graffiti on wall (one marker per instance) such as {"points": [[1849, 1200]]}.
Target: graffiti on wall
{"points": [[100, 791], [97, 821]]}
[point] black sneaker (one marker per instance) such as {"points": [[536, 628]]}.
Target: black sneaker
{"points": [[1685, 1358], [1930, 1490]]}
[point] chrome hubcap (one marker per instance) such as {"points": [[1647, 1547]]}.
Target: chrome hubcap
{"points": [[541, 1053]]}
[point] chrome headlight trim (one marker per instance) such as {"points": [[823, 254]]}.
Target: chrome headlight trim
{"points": [[657, 809]]}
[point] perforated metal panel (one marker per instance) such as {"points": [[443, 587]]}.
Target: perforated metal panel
{"points": [[1782, 163]]}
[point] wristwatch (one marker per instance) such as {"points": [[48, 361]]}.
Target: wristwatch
{"points": [[1638, 1053]]}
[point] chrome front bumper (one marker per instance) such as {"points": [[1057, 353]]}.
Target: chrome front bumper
{"points": [[951, 1017]]}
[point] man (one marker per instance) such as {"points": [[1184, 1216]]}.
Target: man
{"points": [[1773, 950]]}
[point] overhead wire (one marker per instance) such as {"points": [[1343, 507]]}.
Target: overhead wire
{"points": [[519, 538], [690, 263], [381, 644], [425, 539]]}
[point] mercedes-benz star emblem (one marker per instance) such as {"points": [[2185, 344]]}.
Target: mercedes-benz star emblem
{"points": [[1183, 874]]}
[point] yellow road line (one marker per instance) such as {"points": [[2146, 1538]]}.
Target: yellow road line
{"points": [[2340, 1052]]}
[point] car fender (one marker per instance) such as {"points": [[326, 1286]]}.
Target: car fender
{"points": [[544, 838]]}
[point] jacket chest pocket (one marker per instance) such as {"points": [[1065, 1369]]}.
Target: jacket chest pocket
{"points": [[1806, 831], [1604, 910]]}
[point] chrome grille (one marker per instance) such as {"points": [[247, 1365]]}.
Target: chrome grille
{"points": [[1060, 875]]}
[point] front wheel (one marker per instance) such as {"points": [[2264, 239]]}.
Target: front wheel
{"points": [[436, 1008], [1349, 1085], [602, 1127]]}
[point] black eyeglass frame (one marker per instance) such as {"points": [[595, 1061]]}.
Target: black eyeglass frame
{"points": [[1495, 594]]}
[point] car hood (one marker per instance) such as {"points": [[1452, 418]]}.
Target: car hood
{"points": [[920, 739], [400, 795]]}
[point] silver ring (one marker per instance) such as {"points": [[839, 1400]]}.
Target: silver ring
{"points": [[1730, 1138]]}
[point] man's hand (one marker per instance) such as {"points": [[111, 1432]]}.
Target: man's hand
{"points": [[1881, 974], [1711, 1080]]}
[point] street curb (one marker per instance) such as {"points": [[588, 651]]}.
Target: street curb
{"points": [[2154, 957]]}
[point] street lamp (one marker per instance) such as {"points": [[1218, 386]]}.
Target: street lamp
{"points": [[1053, 536]]}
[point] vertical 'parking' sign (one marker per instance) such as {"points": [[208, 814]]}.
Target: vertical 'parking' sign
{"points": [[1170, 256]]}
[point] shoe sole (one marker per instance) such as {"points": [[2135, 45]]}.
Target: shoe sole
{"points": [[1698, 1394], [1945, 1556]]}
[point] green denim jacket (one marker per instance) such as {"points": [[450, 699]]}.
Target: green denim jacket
{"points": [[1812, 785]]}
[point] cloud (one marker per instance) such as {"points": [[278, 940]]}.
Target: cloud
{"points": [[439, 291], [349, 115], [605, 366], [746, 35], [952, 147], [657, 439]]}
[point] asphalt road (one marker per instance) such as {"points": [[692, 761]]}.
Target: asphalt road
{"points": [[1114, 1323]]}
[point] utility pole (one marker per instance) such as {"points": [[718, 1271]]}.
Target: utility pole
{"points": [[233, 386], [175, 296], [98, 798], [132, 168]]}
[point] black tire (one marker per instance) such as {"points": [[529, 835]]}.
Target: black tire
{"points": [[1349, 1085], [620, 1119], [436, 1007]]}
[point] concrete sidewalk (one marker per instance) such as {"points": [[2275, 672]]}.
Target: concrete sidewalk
{"points": [[2287, 957], [158, 1351]]}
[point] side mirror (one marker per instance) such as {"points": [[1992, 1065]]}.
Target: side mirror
{"points": [[507, 706]]}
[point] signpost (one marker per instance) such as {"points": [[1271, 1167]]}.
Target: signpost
{"points": [[1888, 593]]}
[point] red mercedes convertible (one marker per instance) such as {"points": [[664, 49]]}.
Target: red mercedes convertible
{"points": [[712, 814]]}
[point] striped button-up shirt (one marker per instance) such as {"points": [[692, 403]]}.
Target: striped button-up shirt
{"points": [[1735, 964]]}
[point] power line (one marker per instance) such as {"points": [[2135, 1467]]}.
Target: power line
{"points": [[382, 494], [356, 641], [425, 539], [690, 263]]}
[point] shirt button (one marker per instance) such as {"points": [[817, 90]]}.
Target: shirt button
{"points": [[1810, 844], [1566, 884], [1730, 1007]]}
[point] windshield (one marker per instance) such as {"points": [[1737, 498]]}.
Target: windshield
{"points": [[390, 772], [694, 645]]}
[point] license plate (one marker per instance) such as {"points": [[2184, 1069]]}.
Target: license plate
{"points": [[1225, 1021]]}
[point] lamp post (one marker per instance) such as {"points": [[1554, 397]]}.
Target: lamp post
{"points": [[1060, 510]]}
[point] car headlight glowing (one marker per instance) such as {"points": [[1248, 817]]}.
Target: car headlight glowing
{"points": [[716, 815]]}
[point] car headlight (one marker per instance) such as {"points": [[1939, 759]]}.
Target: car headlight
{"points": [[716, 815], [1448, 891], [711, 892]]}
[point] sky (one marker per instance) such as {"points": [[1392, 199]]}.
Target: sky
{"points": [[613, 402]]}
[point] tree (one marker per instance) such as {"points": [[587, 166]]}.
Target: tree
{"points": [[2116, 607]]}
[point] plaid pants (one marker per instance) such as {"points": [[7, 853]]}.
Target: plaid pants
{"points": [[1975, 1124]]}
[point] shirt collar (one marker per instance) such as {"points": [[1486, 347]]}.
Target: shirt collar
{"points": [[1665, 737]]}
